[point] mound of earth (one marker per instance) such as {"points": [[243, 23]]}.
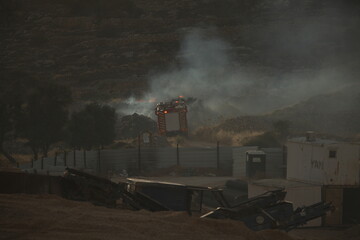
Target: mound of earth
{"points": [[51, 217]]}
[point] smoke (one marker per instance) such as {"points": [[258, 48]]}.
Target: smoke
{"points": [[225, 84], [205, 72]]}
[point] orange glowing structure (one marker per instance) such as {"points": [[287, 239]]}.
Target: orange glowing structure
{"points": [[172, 118]]}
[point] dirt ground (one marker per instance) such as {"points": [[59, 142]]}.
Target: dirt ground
{"points": [[352, 233], [51, 217]]}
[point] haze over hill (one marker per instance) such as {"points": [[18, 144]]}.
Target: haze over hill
{"points": [[233, 58], [335, 114]]}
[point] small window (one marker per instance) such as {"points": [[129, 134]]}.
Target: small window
{"points": [[332, 154]]}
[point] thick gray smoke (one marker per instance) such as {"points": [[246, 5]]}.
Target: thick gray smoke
{"points": [[223, 88]]}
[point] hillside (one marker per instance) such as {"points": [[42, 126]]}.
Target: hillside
{"points": [[238, 59], [335, 114], [111, 49]]}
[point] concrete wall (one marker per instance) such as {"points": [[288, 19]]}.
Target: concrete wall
{"points": [[14, 182], [274, 162], [55, 165], [150, 158]]}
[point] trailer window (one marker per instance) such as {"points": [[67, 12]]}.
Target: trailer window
{"points": [[332, 154]]}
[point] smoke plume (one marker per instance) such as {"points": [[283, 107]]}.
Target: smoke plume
{"points": [[211, 71]]}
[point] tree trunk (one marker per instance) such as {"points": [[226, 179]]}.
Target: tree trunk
{"points": [[36, 153], [46, 150]]}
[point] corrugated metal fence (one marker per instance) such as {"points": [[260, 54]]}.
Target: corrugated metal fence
{"points": [[103, 161]]}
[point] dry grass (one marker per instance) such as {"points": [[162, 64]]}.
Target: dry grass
{"points": [[22, 158], [225, 137], [4, 163]]}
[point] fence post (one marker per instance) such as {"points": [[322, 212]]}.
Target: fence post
{"points": [[24, 183], [55, 159], [49, 181], [74, 163], [65, 163], [217, 155], [177, 155], [84, 158], [139, 154], [99, 165], [284, 148], [42, 162]]}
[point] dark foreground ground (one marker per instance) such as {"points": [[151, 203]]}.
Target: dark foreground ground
{"points": [[51, 217]]}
